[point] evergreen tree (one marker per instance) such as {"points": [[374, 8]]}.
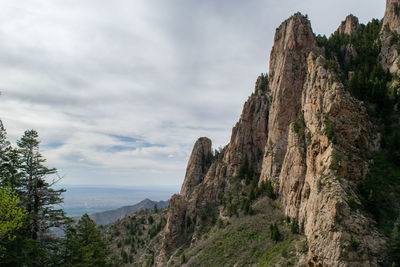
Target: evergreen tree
{"points": [[85, 245], [9, 163], [39, 197], [33, 245], [395, 244]]}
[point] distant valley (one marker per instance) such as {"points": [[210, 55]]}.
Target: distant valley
{"points": [[110, 216], [79, 200]]}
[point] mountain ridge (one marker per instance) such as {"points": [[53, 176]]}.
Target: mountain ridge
{"points": [[304, 147]]}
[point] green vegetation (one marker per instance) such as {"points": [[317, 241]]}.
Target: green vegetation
{"points": [[206, 162], [262, 84], [183, 258], [247, 242], [138, 237], [274, 232], [308, 139], [29, 203], [246, 171], [379, 193], [29, 208], [11, 215], [395, 243], [329, 131], [299, 126], [294, 226], [352, 202], [365, 79], [335, 163], [85, 245], [361, 72], [354, 243]]}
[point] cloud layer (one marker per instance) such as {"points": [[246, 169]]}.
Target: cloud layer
{"points": [[120, 90]]}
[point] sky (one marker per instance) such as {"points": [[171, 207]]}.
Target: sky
{"points": [[120, 90]]}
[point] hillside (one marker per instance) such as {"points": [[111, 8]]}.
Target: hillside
{"points": [[135, 239], [311, 175], [110, 216]]}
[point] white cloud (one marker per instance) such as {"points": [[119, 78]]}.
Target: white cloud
{"points": [[160, 72]]}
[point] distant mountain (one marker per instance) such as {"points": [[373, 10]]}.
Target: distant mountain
{"points": [[110, 216]]}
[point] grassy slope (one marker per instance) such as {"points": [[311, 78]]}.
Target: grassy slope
{"points": [[245, 241]]}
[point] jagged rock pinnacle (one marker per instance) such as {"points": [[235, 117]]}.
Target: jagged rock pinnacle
{"points": [[349, 25]]}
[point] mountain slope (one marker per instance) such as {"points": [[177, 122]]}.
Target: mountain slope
{"points": [[314, 154], [110, 216]]}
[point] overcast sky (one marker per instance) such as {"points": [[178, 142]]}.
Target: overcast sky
{"points": [[120, 90]]}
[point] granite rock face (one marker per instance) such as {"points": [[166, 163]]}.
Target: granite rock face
{"points": [[349, 25], [294, 40], [195, 170], [392, 15], [321, 171], [249, 135], [323, 156], [197, 204], [308, 136], [389, 56]]}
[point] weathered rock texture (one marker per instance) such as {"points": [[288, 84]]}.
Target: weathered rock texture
{"points": [[389, 57], [294, 40], [392, 15], [197, 204], [319, 175], [310, 137], [249, 135], [195, 170], [349, 25]]}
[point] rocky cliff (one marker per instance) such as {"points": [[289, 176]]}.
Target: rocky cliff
{"points": [[202, 189], [308, 137], [389, 36], [349, 25], [294, 40]]}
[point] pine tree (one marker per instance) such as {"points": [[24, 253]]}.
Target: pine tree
{"points": [[9, 163], [85, 245], [39, 196], [40, 201]]}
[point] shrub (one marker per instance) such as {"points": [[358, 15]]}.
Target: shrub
{"points": [[354, 243], [274, 232], [335, 163], [270, 190], [263, 84], [329, 131], [352, 202], [183, 258], [294, 226], [150, 219], [308, 139]]}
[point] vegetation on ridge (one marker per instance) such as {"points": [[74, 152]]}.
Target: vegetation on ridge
{"points": [[361, 73], [247, 240]]}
